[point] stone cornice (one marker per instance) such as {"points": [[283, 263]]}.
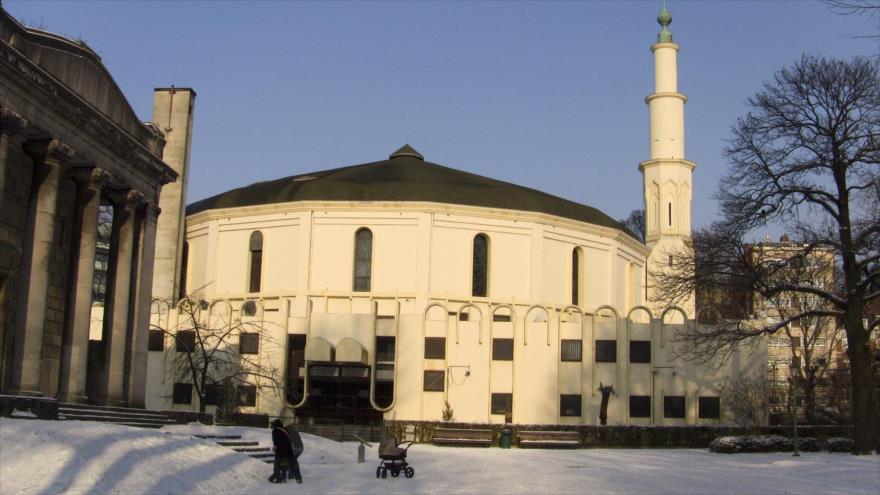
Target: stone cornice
{"points": [[54, 94], [91, 177], [422, 207], [11, 122], [666, 161], [43, 150]]}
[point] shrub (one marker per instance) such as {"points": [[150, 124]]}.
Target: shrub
{"points": [[838, 444]]}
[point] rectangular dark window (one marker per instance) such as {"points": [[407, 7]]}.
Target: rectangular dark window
{"points": [[640, 351], [435, 347], [247, 395], [435, 381], [480, 277], [385, 349], [500, 317], [464, 316], [606, 351], [502, 349], [256, 270], [570, 405], [296, 358], [640, 406], [502, 404], [212, 393], [157, 340], [186, 341], [182, 393], [709, 407], [796, 341], [673, 406], [571, 350], [249, 343]]}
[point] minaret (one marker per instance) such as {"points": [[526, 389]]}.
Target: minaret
{"points": [[667, 174]]}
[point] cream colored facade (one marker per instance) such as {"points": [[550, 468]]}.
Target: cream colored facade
{"points": [[421, 276], [421, 287]]}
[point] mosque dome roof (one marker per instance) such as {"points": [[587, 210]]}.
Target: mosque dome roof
{"points": [[404, 176]]}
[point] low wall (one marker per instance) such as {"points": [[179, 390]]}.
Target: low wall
{"points": [[690, 436], [24, 407], [184, 417]]}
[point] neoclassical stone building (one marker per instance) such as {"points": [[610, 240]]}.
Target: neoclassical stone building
{"points": [[80, 182], [393, 288]]}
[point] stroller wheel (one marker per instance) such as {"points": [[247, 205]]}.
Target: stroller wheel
{"points": [[409, 472], [378, 471], [395, 473], [384, 473]]}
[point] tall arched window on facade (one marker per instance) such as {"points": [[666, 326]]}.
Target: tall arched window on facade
{"points": [[575, 276], [184, 266], [256, 262], [363, 260], [480, 279]]}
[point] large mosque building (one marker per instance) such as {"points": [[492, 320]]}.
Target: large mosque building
{"points": [[401, 289]]}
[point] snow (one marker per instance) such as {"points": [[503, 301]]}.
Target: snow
{"points": [[46, 457]]}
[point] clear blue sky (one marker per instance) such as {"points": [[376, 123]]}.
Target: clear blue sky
{"points": [[543, 94]]}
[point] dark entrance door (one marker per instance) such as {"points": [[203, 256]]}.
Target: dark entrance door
{"points": [[340, 393]]}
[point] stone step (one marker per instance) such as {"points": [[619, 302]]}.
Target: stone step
{"points": [[64, 411], [218, 437], [159, 422], [251, 449], [93, 407], [238, 444]]}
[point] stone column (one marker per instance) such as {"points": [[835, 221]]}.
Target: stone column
{"points": [[116, 309], [10, 123], [47, 156], [136, 381], [75, 347]]}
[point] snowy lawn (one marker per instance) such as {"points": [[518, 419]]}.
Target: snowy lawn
{"points": [[78, 457]]}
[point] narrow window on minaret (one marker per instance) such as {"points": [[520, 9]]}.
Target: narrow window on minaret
{"points": [[670, 261], [670, 214]]}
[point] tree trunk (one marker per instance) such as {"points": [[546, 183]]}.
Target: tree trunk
{"points": [[810, 397], [863, 401]]}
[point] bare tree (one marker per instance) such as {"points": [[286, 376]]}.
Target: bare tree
{"points": [[870, 8], [807, 156], [217, 352], [746, 400], [635, 223]]}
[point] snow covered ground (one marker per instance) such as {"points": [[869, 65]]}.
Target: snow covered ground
{"points": [[77, 457]]}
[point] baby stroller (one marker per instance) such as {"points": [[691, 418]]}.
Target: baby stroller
{"points": [[393, 458]]}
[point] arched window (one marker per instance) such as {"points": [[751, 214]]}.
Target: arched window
{"points": [[256, 263], [184, 266], [363, 260], [480, 279], [575, 276]]}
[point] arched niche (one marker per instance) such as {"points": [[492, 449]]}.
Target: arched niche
{"points": [[318, 349], [469, 310], [349, 350], [536, 314], [664, 322]]}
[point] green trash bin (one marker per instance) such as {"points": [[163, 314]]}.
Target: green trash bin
{"points": [[504, 439]]}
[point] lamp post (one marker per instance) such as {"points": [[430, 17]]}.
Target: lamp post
{"points": [[795, 366]]}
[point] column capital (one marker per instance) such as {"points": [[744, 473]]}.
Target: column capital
{"points": [[94, 178], [42, 151], [127, 199], [11, 122], [150, 211]]}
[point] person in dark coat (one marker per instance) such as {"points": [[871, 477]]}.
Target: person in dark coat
{"points": [[296, 444], [283, 452]]}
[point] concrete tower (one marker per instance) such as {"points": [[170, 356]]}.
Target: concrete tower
{"points": [[667, 174], [173, 113]]}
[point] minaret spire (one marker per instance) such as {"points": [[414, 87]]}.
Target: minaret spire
{"points": [[664, 19], [667, 173]]}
